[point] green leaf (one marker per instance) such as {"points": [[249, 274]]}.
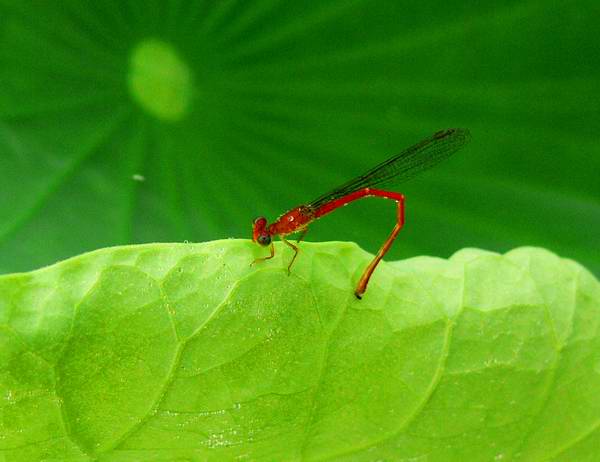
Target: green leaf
{"points": [[233, 109], [185, 352]]}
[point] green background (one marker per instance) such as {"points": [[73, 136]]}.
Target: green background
{"points": [[232, 109]]}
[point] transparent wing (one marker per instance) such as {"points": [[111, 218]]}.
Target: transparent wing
{"points": [[403, 166]]}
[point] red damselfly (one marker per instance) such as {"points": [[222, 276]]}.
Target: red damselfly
{"points": [[397, 169]]}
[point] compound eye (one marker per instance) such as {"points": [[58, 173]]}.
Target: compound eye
{"points": [[264, 239]]}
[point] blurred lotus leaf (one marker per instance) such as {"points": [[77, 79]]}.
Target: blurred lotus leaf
{"points": [[129, 122]]}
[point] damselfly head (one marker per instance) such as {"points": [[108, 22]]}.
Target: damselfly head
{"points": [[259, 231], [264, 239]]}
